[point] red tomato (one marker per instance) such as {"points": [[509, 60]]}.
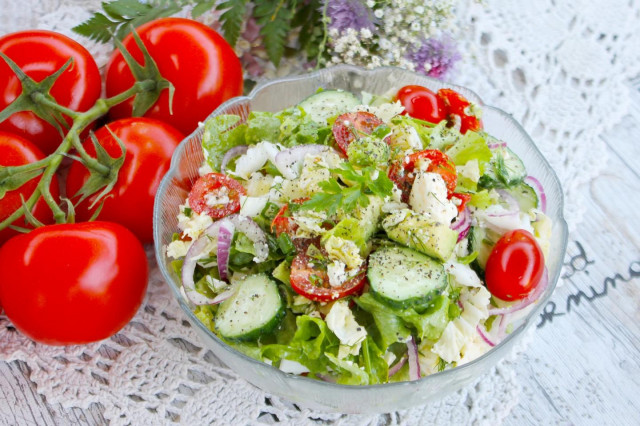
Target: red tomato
{"points": [[150, 144], [464, 199], [201, 65], [515, 266], [72, 283], [456, 104], [216, 185], [16, 151], [439, 163], [282, 223], [40, 54], [347, 127], [422, 103], [313, 282]]}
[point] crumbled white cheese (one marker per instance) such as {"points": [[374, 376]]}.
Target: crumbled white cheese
{"points": [[252, 206], [341, 321], [471, 170], [385, 112], [461, 333], [194, 224], [463, 274], [337, 273], [429, 197], [219, 196], [255, 158]]}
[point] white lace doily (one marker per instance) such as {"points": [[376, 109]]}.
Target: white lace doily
{"points": [[559, 66]]}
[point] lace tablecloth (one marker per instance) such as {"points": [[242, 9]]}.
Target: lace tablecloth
{"points": [[559, 66]]}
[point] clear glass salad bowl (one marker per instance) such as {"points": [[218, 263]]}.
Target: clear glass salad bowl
{"points": [[283, 93]]}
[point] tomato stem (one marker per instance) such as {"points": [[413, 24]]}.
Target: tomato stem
{"points": [[51, 163], [42, 99]]}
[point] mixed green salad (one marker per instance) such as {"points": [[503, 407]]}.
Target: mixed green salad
{"points": [[361, 239]]}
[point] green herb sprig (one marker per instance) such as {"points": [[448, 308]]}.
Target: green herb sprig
{"points": [[354, 192]]}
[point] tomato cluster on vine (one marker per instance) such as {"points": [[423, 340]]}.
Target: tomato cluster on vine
{"points": [[85, 279]]}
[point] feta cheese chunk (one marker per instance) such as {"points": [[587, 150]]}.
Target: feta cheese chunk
{"points": [[337, 273], [341, 321], [255, 158], [429, 197]]}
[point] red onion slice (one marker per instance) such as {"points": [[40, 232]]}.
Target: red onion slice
{"points": [[290, 160], [531, 298], [537, 186], [502, 327], [225, 235], [189, 265], [248, 227], [243, 224], [414, 362], [484, 336], [398, 365], [497, 145], [462, 224], [231, 154]]}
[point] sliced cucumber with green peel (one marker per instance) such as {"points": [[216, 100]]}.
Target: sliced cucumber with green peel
{"points": [[254, 310], [401, 277], [504, 170], [328, 103], [525, 195]]}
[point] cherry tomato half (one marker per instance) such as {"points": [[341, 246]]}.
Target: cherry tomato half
{"points": [[216, 194], [16, 151], [422, 103], [203, 68], [150, 144], [349, 126], [72, 283], [39, 54], [439, 163], [313, 282], [515, 266], [456, 104]]}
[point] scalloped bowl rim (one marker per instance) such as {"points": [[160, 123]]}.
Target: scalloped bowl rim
{"points": [[559, 226]]}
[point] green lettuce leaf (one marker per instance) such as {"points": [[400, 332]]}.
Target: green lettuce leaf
{"points": [[219, 136]]}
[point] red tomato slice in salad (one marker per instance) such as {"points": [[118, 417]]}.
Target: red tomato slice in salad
{"points": [[456, 104], [216, 195], [422, 103], [439, 163], [464, 199], [312, 281], [515, 266], [349, 126]]}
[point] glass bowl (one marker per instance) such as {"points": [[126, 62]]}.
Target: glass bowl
{"points": [[283, 93]]}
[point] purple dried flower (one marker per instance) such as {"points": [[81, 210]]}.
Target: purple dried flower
{"points": [[346, 14], [435, 57]]}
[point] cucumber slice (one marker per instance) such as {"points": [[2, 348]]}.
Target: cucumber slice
{"points": [[525, 195], [329, 103], [401, 277], [255, 309], [504, 170]]}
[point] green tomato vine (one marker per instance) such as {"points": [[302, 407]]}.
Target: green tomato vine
{"points": [[103, 169]]}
